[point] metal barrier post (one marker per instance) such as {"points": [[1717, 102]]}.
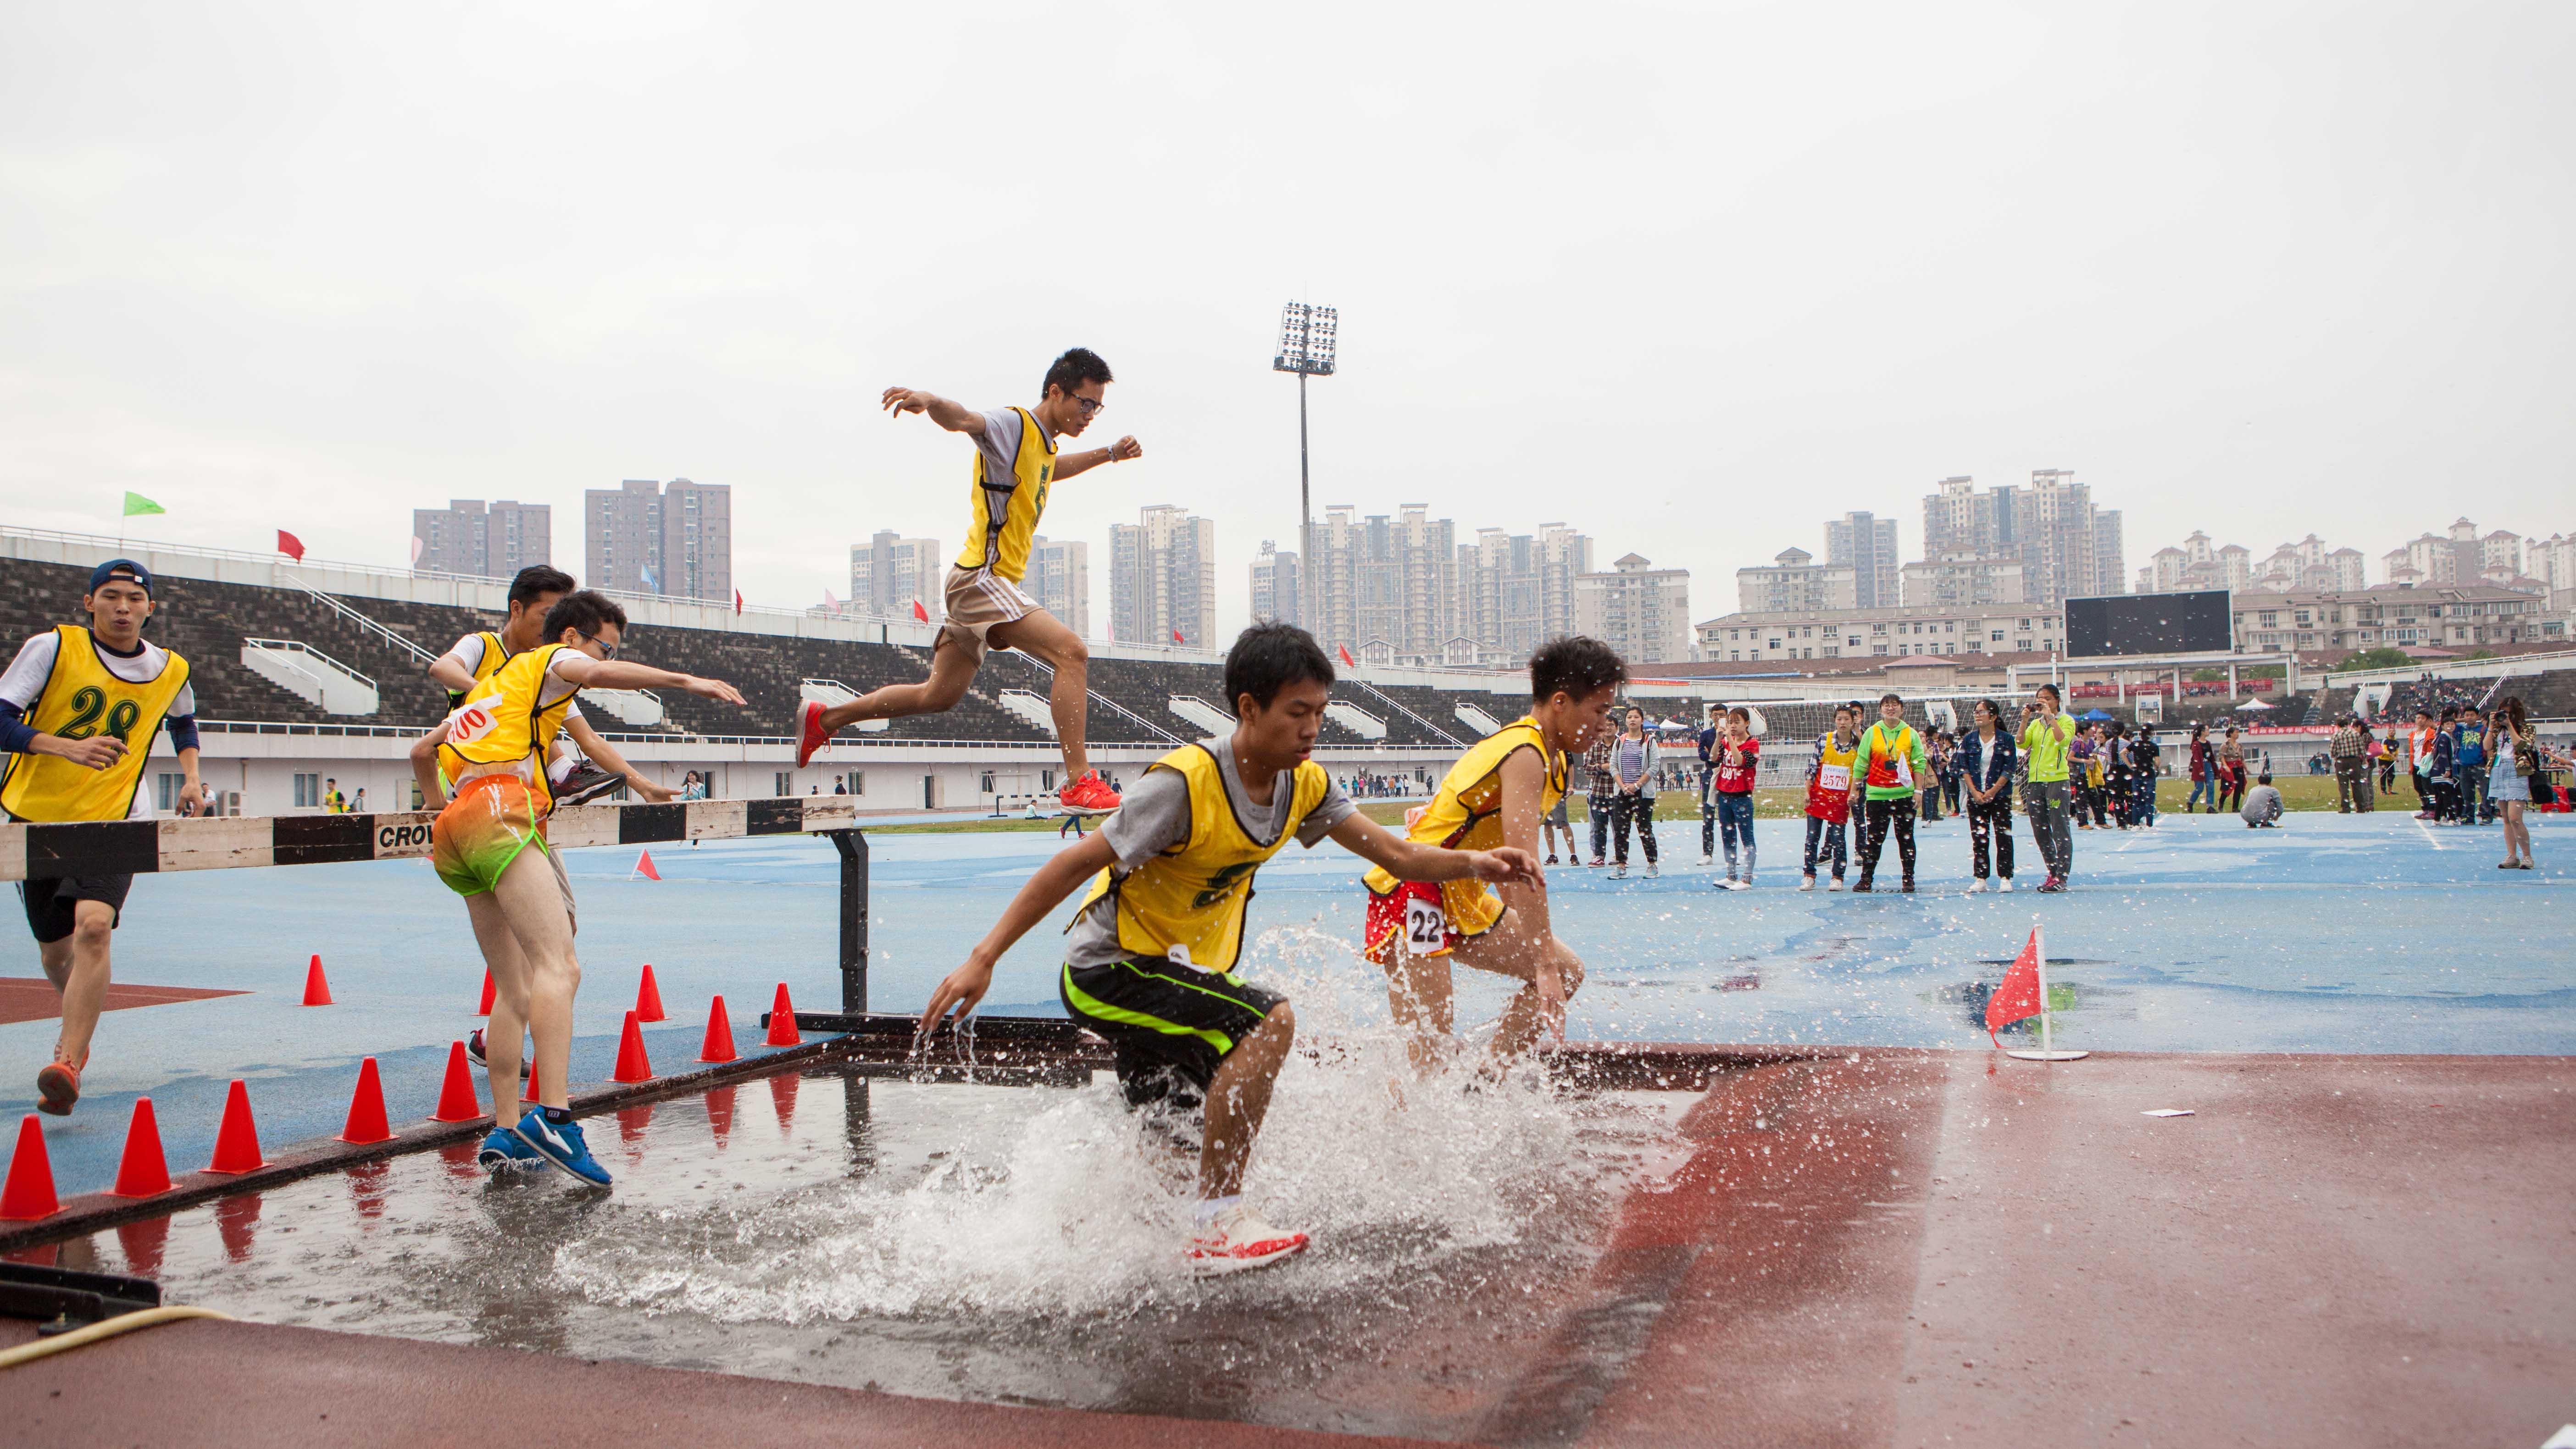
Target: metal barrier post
{"points": [[853, 849]]}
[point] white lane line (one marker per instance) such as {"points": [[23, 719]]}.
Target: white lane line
{"points": [[2430, 838]]}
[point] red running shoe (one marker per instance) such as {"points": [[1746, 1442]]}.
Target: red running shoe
{"points": [[57, 1088], [1089, 795], [1237, 1240], [810, 734]]}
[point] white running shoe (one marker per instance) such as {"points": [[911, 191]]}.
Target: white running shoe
{"points": [[1739, 885], [1707, 859], [1619, 872], [1653, 870], [1835, 884], [1237, 1240], [1807, 883], [2004, 886], [1976, 887]]}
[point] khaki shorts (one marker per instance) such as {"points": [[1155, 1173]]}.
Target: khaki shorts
{"points": [[977, 600]]}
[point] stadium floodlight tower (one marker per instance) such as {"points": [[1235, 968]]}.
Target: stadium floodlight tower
{"points": [[1306, 337]]}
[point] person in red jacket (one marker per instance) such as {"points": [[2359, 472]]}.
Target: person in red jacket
{"points": [[1737, 759], [1829, 782]]}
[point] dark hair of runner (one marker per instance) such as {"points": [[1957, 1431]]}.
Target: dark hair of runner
{"points": [[1267, 658], [539, 579], [584, 610], [1078, 366], [1888, 699], [1577, 665]]}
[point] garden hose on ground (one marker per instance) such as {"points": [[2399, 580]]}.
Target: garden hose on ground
{"points": [[104, 1328]]}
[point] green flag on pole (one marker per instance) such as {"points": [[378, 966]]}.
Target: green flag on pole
{"points": [[136, 503]]}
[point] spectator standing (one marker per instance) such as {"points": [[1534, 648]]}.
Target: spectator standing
{"points": [[1987, 763], [2388, 751], [2350, 748], [2231, 772], [1633, 765], [2204, 773], [1739, 759], [2084, 775], [1707, 740], [358, 802], [1890, 769], [2442, 755], [1601, 787], [2116, 774], [2469, 765], [2044, 743], [2515, 750], [332, 800], [2146, 767], [1555, 824], [1829, 783], [1931, 781]]}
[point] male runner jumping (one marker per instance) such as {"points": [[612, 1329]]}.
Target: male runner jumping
{"points": [[78, 710], [578, 769], [495, 748], [1016, 462], [1494, 797], [1150, 956]]}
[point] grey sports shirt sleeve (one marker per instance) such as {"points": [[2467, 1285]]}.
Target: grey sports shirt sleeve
{"points": [[1152, 817], [1330, 811]]}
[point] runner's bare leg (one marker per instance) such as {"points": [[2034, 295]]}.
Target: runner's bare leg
{"points": [[1045, 636], [531, 900], [951, 667], [1238, 1098], [1418, 996], [510, 978], [1506, 951], [77, 965]]}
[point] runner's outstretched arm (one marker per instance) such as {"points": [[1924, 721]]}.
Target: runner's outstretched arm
{"points": [[1046, 890], [1411, 860], [587, 740], [1068, 464], [956, 417], [584, 672]]}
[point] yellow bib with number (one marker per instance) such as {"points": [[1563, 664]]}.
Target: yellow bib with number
{"points": [[1467, 813], [81, 700], [1193, 896], [505, 725]]}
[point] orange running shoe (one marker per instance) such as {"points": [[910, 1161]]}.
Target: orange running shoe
{"points": [[1237, 1241], [810, 734], [1089, 795], [57, 1088]]}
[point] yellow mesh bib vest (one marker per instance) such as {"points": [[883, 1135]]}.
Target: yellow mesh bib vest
{"points": [[1467, 814], [1007, 509], [81, 700], [1194, 895], [494, 656], [503, 725]]}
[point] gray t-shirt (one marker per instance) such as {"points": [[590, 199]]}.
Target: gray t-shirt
{"points": [[1154, 816], [2262, 803]]}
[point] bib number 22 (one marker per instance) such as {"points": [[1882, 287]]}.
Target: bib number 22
{"points": [[1426, 929]]}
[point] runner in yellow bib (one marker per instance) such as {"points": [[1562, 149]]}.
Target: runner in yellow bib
{"points": [[494, 747], [584, 766], [78, 710], [1016, 462], [1494, 796], [1150, 956]]}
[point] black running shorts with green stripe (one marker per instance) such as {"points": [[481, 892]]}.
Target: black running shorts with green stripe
{"points": [[1170, 1025]]}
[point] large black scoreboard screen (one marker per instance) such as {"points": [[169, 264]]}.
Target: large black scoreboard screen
{"points": [[2129, 624]]}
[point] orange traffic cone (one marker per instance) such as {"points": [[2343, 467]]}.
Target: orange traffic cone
{"points": [[719, 1047], [237, 1140], [317, 990], [782, 1021], [367, 1108], [29, 1192], [143, 1172], [486, 1008], [456, 1099], [648, 997], [632, 1064], [528, 1093]]}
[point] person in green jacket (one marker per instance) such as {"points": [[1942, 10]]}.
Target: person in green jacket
{"points": [[2046, 733], [1889, 770]]}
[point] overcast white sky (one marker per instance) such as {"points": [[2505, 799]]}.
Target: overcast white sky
{"points": [[1693, 278]]}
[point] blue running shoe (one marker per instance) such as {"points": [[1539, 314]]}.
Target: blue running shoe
{"points": [[503, 1152], [561, 1144]]}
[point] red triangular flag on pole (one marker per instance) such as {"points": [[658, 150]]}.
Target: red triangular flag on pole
{"points": [[920, 615], [737, 601], [644, 866], [1176, 637], [1347, 661], [289, 545], [2019, 995]]}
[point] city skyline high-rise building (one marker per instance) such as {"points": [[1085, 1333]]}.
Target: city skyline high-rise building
{"points": [[889, 572], [1639, 610], [1277, 589], [647, 537], [2066, 546], [1865, 544], [1162, 579], [478, 541], [1404, 587], [1059, 578]]}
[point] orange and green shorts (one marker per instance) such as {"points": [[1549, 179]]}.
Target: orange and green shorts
{"points": [[491, 819]]}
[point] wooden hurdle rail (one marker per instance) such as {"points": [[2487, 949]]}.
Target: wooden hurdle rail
{"points": [[30, 850]]}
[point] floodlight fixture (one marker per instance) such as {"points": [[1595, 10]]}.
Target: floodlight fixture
{"points": [[1307, 337]]}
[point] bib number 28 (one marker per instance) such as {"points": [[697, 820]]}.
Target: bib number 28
{"points": [[1426, 928]]}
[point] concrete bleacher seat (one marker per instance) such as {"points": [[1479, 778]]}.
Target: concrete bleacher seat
{"points": [[2549, 695]]}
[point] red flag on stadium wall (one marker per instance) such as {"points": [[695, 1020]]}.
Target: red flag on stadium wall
{"points": [[920, 615], [2019, 996], [644, 866], [1177, 639], [289, 545], [1347, 661], [737, 601]]}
